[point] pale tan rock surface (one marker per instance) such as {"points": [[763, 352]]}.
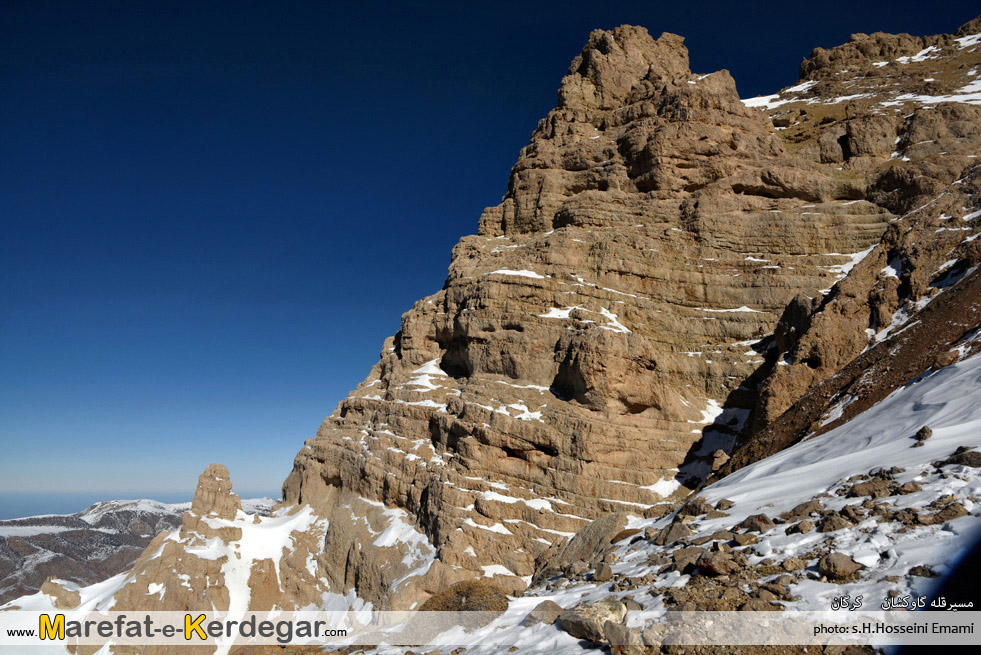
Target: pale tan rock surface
{"points": [[203, 564], [64, 594], [653, 230], [587, 621], [230, 561]]}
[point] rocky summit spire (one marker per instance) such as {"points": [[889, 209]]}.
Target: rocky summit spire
{"points": [[636, 135], [214, 495], [213, 499], [615, 65]]}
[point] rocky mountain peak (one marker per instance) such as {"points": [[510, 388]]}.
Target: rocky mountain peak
{"points": [[214, 496], [636, 129], [969, 28], [615, 67], [864, 51], [213, 499], [598, 346]]}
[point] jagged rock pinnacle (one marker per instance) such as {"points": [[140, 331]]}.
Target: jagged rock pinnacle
{"points": [[613, 64], [214, 495]]}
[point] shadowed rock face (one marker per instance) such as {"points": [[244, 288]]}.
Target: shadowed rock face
{"points": [[602, 337], [919, 100], [924, 262]]}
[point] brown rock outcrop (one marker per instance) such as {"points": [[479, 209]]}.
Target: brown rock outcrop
{"points": [[203, 564], [588, 350], [850, 103], [587, 620], [64, 594], [901, 311], [545, 612], [213, 498]]}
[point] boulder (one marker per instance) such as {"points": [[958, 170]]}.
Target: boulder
{"points": [[803, 527], [623, 640], [923, 433], [603, 573], [803, 510], [716, 564], [838, 567], [588, 620], [744, 539], [589, 545], [757, 523], [833, 523], [964, 457], [672, 534], [545, 612]]}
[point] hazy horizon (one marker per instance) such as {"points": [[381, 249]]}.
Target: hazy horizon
{"points": [[24, 505]]}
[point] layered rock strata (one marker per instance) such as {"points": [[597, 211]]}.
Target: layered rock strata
{"points": [[918, 99], [600, 340]]}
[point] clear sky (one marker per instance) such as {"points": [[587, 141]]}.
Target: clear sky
{"points": [[214, 213]]}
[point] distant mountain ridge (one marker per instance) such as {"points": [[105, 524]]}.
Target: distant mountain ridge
{"points": [[87, 546]]}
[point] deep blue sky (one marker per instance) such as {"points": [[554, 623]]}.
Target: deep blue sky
{"points": [[214, 213]]}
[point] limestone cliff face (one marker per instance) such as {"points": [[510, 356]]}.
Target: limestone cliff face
{"points": [[602, 338], [916, 100], [909, 307]]}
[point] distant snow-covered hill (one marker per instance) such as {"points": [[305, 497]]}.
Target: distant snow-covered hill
{"points": [[88, 546]]}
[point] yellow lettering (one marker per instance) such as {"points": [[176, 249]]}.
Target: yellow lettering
{"points": [[194, 626], [51, 630]]}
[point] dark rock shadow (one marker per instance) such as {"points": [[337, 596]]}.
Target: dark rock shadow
{"points": [[721, 437]]}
